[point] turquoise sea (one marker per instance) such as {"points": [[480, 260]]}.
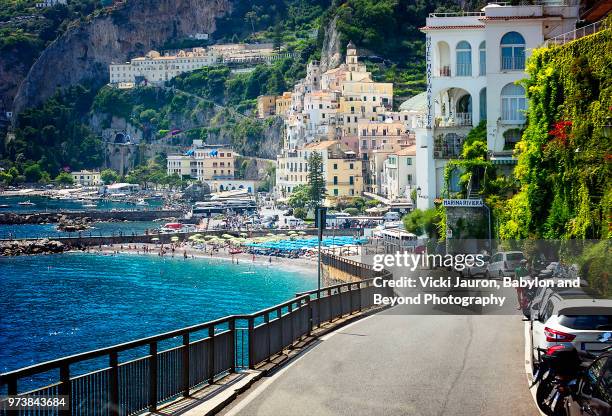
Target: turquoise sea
{"points": [[50, 205], [99, 229], [55, 305]]}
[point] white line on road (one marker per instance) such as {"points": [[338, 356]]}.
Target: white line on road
{"points": [[528, 366]]}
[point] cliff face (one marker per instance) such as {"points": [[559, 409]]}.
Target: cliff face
{"points": [[84, 52], [331, 56]]}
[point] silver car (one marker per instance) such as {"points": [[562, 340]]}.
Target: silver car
{"points": [[504, 263]]}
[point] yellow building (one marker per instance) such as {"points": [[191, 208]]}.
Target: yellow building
{"points": [[266, 106], [86, 178], [283, 104], [341, 169]]}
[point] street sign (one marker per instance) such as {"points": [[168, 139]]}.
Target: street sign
{"points": [[462, 203]]}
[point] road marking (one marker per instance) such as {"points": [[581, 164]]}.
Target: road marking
{"points": [[528, 366], [251, 395]]}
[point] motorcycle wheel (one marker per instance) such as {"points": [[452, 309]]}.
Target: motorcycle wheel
{"points": [[544, 398]]}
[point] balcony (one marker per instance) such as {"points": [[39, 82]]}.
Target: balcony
{"points": [[464, 70], [445, 71], [513, 63], [458, 120]]}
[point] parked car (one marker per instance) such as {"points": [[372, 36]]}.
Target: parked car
{"points": [[594, 390], [474, 270], [504, 263], [579, 321]]}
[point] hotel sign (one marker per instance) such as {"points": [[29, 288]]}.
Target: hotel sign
{"points": [[429, 76], [462, 203]]}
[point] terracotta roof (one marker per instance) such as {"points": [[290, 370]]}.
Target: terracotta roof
{"points": [[407, 151], [320, 145], [452, 27]]}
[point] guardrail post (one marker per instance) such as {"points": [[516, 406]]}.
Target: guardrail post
{"points": [[153, 376], [65, 388], [114, 384], [185, 373], [269, 334], [350, 296], [251, 343], [329, 302], [291, 323], [12, 387], [232, 329], [281, 325], [211, 354]]}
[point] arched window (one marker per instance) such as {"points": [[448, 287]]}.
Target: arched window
{"points": [[483, 104], [482, 58], [464, 59], [513, 104], [513, 52]]}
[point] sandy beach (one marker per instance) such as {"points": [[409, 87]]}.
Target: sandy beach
{"points": [[186, 252]]}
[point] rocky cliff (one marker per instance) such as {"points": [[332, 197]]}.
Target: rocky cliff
{"points": [[331, 55], [83, 53]]}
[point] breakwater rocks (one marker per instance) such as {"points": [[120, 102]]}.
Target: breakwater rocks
{"points": [[21, 248], [71, 225]]}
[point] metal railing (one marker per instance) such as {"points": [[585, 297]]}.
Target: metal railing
{"points": [[464, 70], [457, 120], [142, 374], [456, 14], [512, 63], [576, 34]]}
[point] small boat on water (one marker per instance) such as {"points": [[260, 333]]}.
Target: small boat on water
{"points": [[141, 202], [26, 203], [89, 205], [4, 206]]}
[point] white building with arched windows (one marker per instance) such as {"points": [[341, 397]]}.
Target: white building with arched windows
{"points": [[474, 61]]}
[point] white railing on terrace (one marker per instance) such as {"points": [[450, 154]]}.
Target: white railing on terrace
{"points": [[576, 34], [456, 14], [507, 4], [458, 120]]}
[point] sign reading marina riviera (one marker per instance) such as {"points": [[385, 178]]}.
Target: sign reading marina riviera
{"points": [[466, 203]]}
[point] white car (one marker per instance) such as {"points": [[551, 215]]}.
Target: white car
{"points": [[504, 263], [585, 324], [474, 270]]}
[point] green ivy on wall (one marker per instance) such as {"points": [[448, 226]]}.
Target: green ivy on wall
{"points": [[564, 157]]}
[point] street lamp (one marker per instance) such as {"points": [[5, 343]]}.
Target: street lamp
{"points": [[418, 191]]}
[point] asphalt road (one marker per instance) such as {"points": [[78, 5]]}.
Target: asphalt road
{"points": [[397, 364]]}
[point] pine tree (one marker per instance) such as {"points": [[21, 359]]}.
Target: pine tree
{"points": [[316, 182]]}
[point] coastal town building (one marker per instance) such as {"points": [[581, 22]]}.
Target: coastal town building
{"points": [[86, 178], [203, 162], [474, 61], [157, 68], [50, 3], [266, 106], [342, 169], [283, 104], [121, 188], [329, 109], [399, 177]]}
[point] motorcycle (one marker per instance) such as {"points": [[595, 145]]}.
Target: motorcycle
{"points": [[558, 377]]}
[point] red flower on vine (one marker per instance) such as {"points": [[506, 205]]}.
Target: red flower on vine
{"points": [[561, 132]]}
